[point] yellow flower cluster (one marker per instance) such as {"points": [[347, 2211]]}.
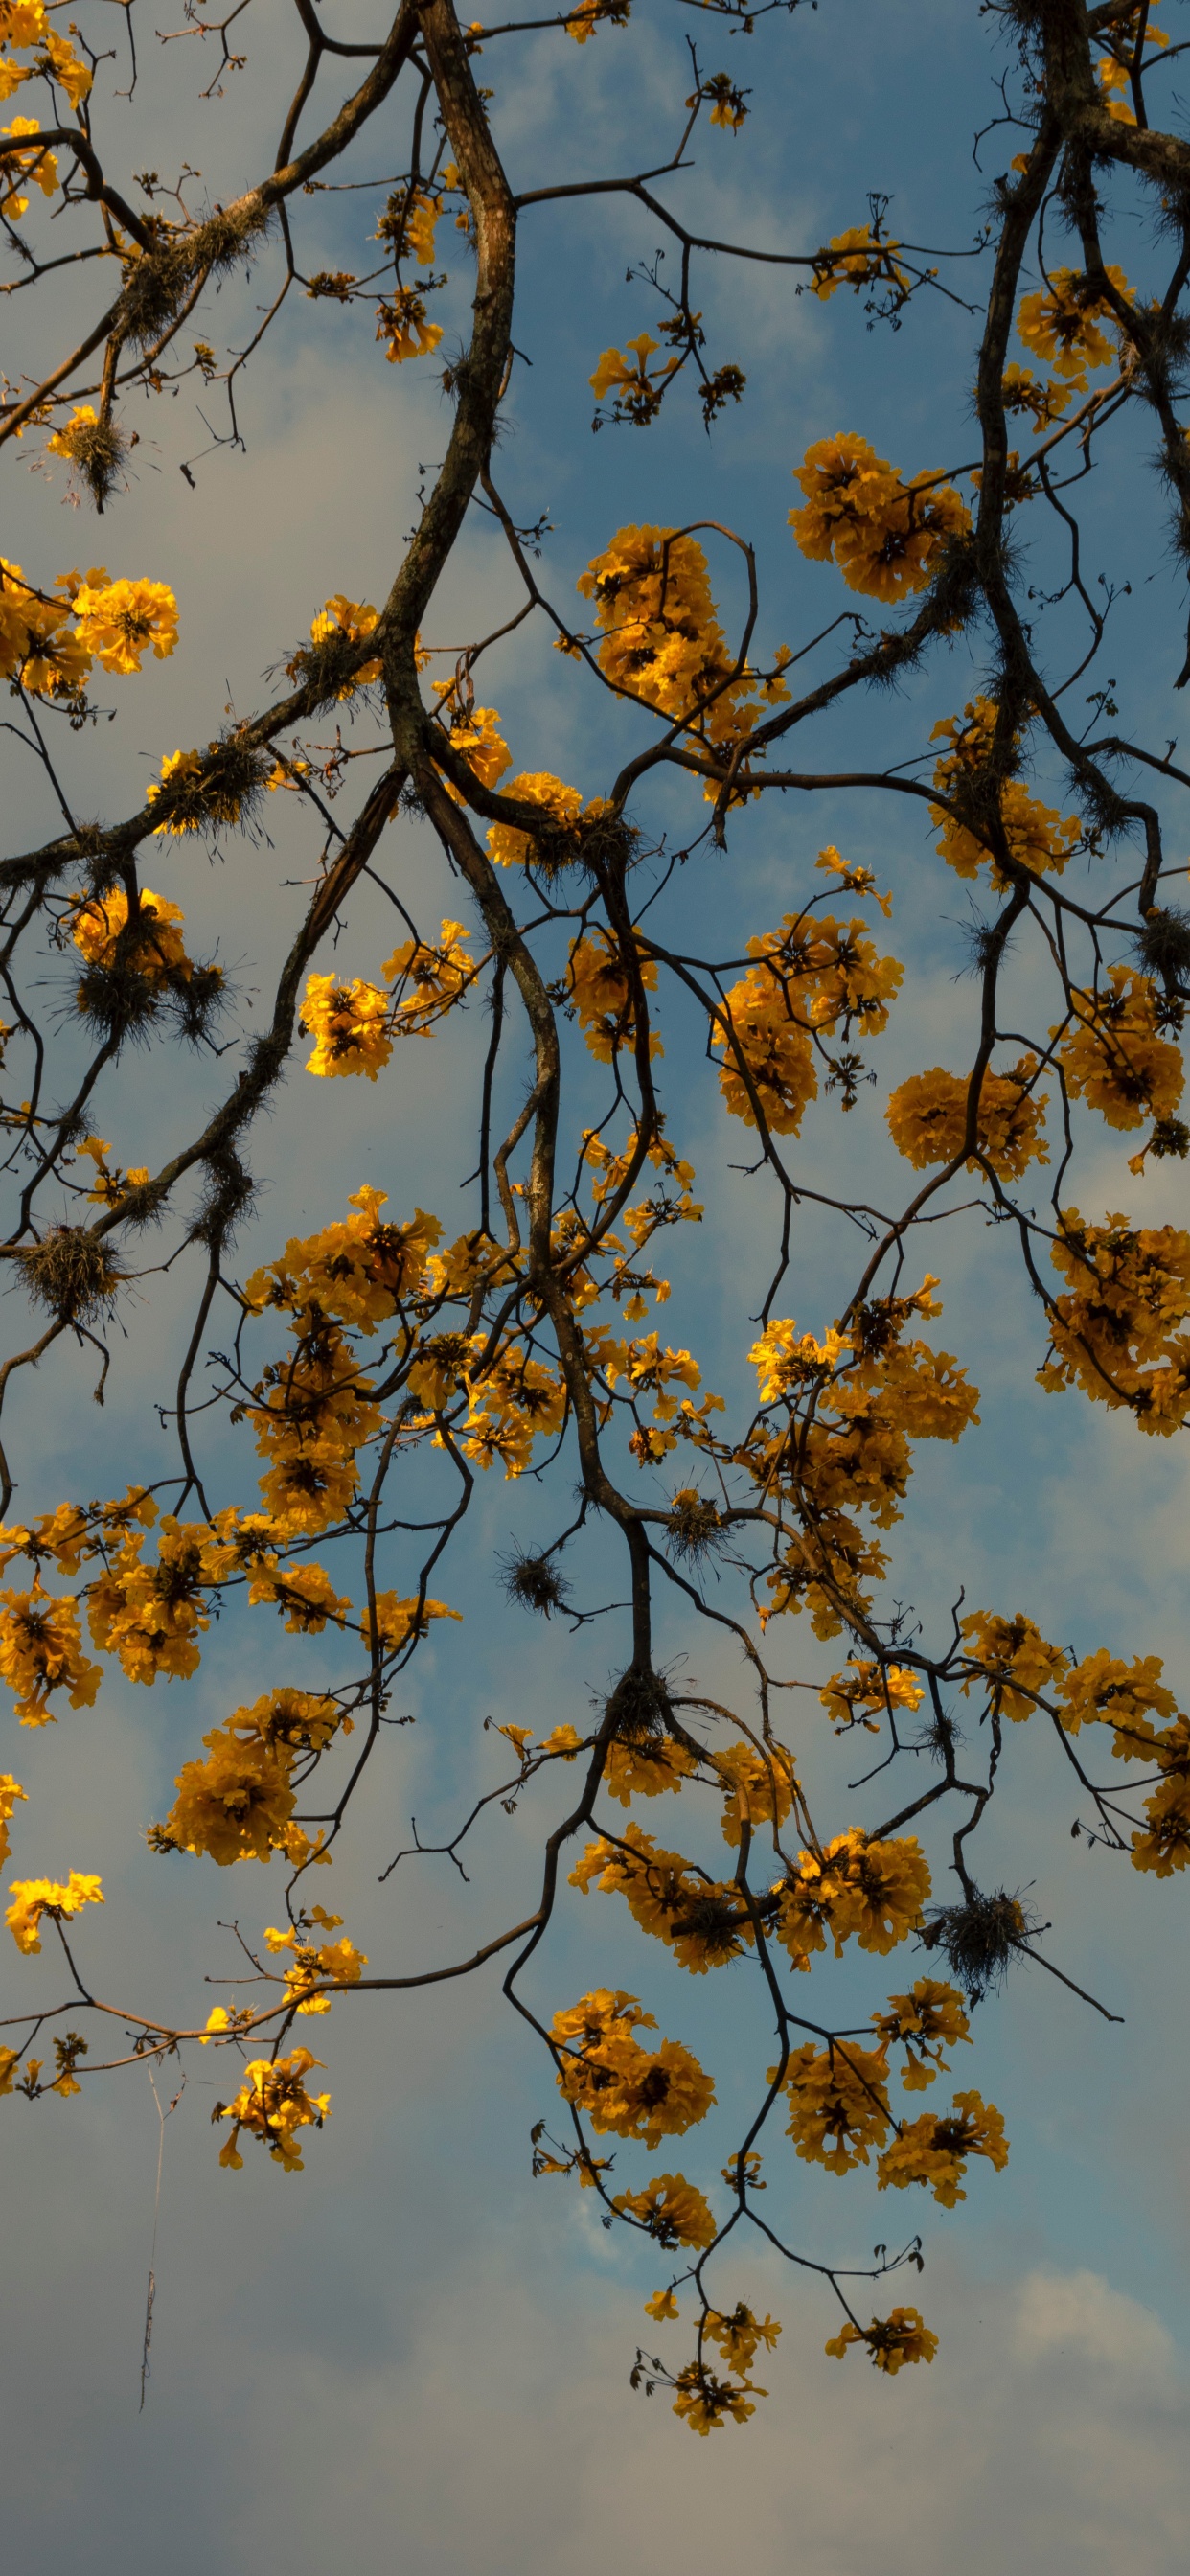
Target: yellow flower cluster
{"points": [[357, 1271], [626, 374], [758, 1786], [621, 2087], [853, 1404], [839, 2108], [885, 535], [35, 167], [49, 645], [273, 2105], [404, 327], [927, 1119], [1127, 1697], [1015, 1662], [238, 1804], [398, 1622], [672, 2209], [1038, 837], [662, 640], [702, 1920], [33, 1897], [1045, 401], [934, 2151], [838, 2101], [153, 948], [705, 2403], [41, 1652], [857, 259], [1116, 1333], [1114, 72], [560, 809], [149, 1615], [316, 1963], [475, 736], [1061, 326], [349, 1026], [10, 1792], [645, 1767], [598, 985], [354, 1024], [25, 28], [891, 2341], [871, 1891], [515, 1402], [811, 976], [1113, 1057], [869, 1687], [738, 2334], [923, 2023]]}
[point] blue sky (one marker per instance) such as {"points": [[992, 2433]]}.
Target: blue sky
{"points": [[411, 2356]]}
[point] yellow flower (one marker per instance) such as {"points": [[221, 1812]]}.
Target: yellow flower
{"points": [[758, 1786], [619, 2084], [23, 23], [662, 642], [1103, 1690], [701, 1919], [234, 1806], [70, 72], [591, 14], [560, 805], [1038, 837], [646, 1767], [927, 1118], [348, 620], [439, 978], [149, 1615], [598, 986], [154, 951], [1113, 1057], [885, 535], [673, 2211], [934, 2151], [357, 1271], [856, 259], [41, 1652], [33, 1897], [872, 1687], [838, 2104], [891, 2340], [662, 2306], [349, 1023], [401, 323], [118, 621], [1116, 1333], [737, 2335], [337, 1961], [638, 394], [1060, 326], [925, 2022], [398, 1621], [10, 1791], [36, 638], [273, 2105], [475, 736], [814, 975], [705, 2403], [1016, 1659], [37, 166]]}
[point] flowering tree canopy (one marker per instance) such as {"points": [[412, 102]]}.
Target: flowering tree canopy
{"points": [[333, 1412]]}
